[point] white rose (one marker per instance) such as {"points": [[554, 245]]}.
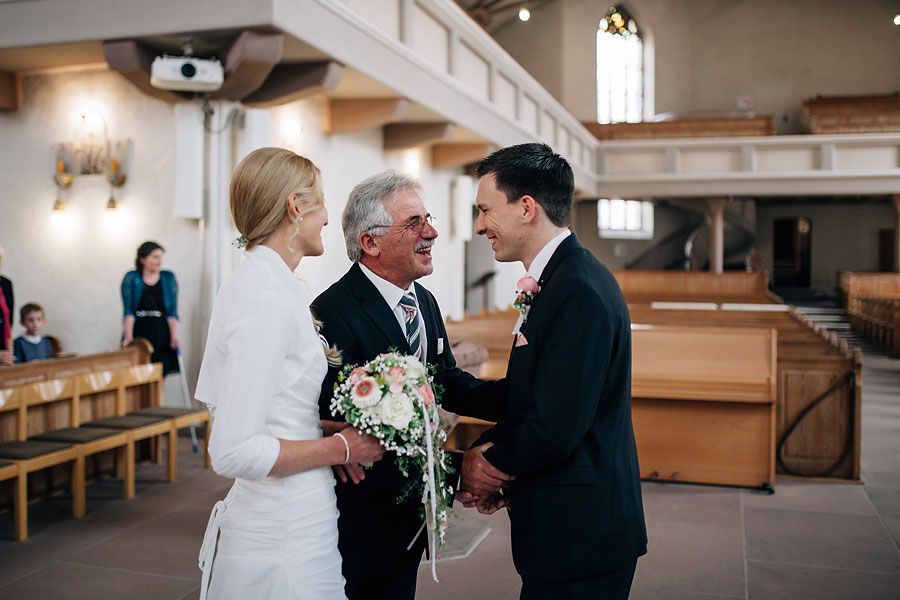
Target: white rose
{"points": [[397, 410], [414, 368]]}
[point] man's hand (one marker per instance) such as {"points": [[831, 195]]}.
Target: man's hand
{"points": [[6, 357], [478, 475], [332, 427], [486, 505]]}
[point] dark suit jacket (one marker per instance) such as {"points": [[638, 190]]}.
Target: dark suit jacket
{"points": [[575, 507], [374, 528]]}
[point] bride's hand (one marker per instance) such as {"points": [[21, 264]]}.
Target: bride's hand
{"points": [[363, 447]]}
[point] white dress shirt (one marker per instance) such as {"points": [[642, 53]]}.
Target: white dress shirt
{"points": [[392, 295]]}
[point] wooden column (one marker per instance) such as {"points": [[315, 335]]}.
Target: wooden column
{"points": [[897, 233], [716, 234]]}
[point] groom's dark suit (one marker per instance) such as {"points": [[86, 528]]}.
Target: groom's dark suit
{"points": [[575, 505], [374, 529]]}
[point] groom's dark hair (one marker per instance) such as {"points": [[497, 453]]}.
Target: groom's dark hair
{"points": [[533, 170]]}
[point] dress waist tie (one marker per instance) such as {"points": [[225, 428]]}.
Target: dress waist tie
{"points": [[208, 548]]}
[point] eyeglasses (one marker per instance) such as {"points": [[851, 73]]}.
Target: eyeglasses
{"points": [[415, 224]]}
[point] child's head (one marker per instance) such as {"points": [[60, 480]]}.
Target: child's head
{"points": [[32, 318]]}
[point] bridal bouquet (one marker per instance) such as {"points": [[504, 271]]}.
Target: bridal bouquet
{"points": [[392, 397]]}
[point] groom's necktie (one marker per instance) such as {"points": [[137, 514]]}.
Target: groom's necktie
{"points": [[408, 303]]}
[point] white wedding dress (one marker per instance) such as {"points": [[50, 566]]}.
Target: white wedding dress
{"points": [[272, 536]]}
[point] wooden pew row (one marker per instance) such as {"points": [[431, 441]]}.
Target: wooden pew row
{"points": [[851, 285], [852, 114], [703, 405], [878, 320], [89, 413], [825, 444], [713, 126], [644, 287]]}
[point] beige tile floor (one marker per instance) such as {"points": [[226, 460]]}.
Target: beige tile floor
{"points": [[816, 541]]}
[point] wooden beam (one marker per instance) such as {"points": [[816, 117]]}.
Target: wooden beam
{"points": [[132, 61], [248, 62], [455, 155], [342, 115], [400, 136], [10, 91], [287, 83]]}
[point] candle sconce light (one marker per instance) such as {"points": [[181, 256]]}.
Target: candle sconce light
{"points": [[90, 154]]}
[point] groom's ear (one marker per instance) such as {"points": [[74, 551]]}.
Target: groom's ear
{"points": [[529, 207], [368, 244]]}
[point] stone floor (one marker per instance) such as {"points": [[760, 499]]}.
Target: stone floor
{"points": [[809, 540]]}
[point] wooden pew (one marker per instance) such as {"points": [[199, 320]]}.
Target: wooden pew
{"points": [[685, 127], [703, 404], [825, 444], [850, 285], [877, 319], [852, 114], [644, 287], [52, 400]]}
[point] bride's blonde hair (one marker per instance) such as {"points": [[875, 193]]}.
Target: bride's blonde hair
{"points": [[261, 186]]}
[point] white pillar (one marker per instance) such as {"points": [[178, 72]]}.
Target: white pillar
{"points": [[897, 233], [716, 234]]}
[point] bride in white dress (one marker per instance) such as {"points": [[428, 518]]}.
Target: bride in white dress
{"points": [[275, 534]]}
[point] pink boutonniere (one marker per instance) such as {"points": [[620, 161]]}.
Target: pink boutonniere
{"points": [[526, 290], [521, 340]]}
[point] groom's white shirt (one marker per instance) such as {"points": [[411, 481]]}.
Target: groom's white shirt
{"points": [[392, 295], [539, 263]]}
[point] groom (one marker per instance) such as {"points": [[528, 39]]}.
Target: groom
{"points": [[374, 307], [575, 509]]}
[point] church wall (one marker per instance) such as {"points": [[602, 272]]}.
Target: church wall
{"points": [[833, 248], [76, 275], [708, 53]]}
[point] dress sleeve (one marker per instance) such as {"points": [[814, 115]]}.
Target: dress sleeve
{"points": [[253, 347]]}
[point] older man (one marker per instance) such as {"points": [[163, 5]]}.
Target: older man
{"points": [[389, 236]]}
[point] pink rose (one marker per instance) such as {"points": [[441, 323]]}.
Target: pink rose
{"points": [[396, 388], [528, 284], [395, 373], [427, 394]]}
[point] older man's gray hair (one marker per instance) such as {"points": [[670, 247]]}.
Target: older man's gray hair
{"points": [[365, 211]]}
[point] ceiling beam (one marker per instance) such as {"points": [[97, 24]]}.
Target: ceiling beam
{"points": [[10, 91], [132, 61], [456, 155], [290, 82], [248, 62], [341, 115], [400, 136]]}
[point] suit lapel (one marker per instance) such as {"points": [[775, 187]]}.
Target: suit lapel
{"points": [[372, 304], [430, 318]]}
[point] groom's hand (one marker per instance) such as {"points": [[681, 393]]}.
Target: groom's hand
{"points": [[350, 471], [478, 475]]}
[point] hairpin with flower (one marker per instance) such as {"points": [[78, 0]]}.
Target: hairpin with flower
{"points": [[240, 242]]}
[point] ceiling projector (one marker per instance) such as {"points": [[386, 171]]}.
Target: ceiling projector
{"points": [[186, 74]]}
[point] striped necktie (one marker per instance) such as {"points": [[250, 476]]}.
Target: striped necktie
{"points": [[408, 303]]}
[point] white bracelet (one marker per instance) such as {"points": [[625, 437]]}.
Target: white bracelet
{"points": [[346, 447]]}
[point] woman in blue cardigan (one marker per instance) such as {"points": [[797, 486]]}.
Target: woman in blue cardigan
{"points": [[150, 299]]}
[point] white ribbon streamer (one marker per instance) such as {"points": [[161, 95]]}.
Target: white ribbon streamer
{"points": [[208, 548], [431, 490]]}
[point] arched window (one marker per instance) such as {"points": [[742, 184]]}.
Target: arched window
{"points": [[620, 68]]}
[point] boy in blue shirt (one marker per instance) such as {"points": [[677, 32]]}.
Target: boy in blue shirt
{"points": [[32, 345]]}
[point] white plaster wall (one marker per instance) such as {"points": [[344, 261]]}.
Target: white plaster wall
{"points": [[76, 275], [833, 247], [709, 52]]}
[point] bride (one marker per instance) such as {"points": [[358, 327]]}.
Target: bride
{"points": [[275, 534]]}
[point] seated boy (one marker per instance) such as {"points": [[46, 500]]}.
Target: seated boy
{"points": [[32, 345]]}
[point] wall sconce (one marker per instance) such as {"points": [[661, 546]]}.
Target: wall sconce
{"points": [[90, 154]]}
